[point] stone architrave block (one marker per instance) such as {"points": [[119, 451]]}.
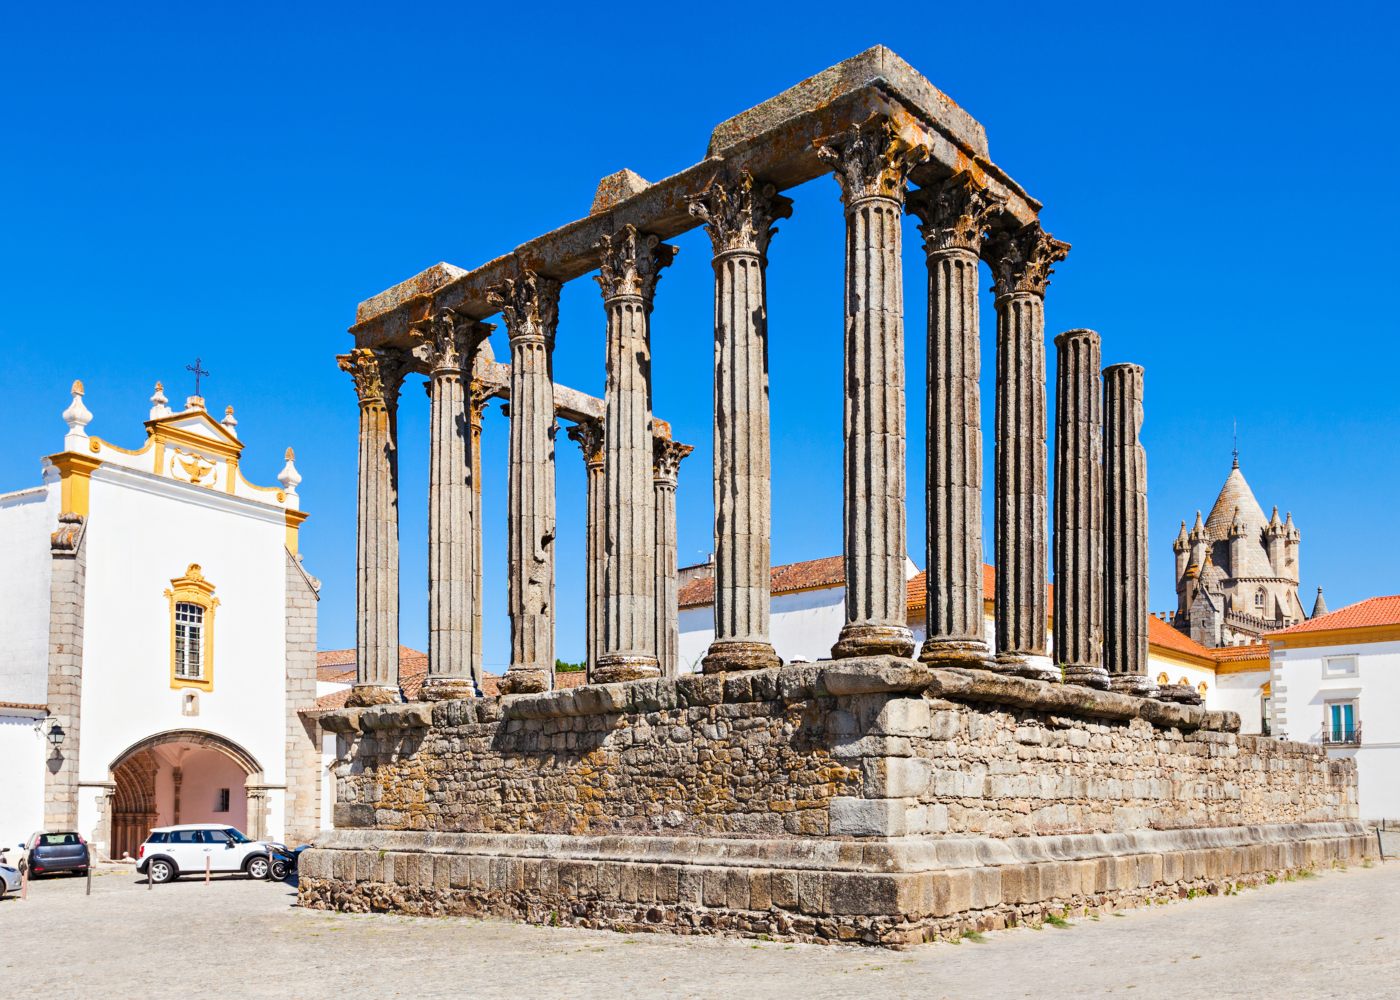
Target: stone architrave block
{"points": [[869, 817]]}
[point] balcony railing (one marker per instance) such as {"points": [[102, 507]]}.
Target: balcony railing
{"points": [[1341, 737]]}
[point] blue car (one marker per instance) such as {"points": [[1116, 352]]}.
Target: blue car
{"points": [[52, 853]]}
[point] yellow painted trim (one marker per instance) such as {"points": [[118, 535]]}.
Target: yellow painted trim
{"points": [[294, 521], [1243, 666], [180, 436], [260, 489], [1337, 637], [76, 477], [192, 588], [231, 475], [100, 443], [1177, 656]]}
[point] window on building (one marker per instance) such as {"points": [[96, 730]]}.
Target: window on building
{"points": [[1339, 666], [1266, 715], [1339, 725], [189, 641], [221, 801], [1259, 598]]}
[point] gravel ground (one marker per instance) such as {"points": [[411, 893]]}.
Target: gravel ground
{"points": [[1334, 935]]}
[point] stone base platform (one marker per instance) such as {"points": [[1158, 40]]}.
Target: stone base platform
{"points": [[890, 893], [877, 801]]}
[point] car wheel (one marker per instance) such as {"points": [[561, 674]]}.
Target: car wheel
{"points": [[160, 870], [257, 868], [279, 870]]}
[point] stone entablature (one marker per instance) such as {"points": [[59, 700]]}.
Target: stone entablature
{"points": [[871, 799]]}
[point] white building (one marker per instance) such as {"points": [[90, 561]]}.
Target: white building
{"points": [[157, 639], [1336, 681], [808, 609]]}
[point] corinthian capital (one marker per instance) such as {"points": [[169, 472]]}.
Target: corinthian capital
{"points": [[630, 263], [739, 213], [529, 304], [378, 373], [870, 160], [449, 339], [589, 436], [954, 215], [1024, 259], [666, 459]]}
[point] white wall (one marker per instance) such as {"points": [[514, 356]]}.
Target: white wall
{"points": [[27, 518], [22, 755], [1241, 693], [804, 625], [1301, 693], [145, 531]]}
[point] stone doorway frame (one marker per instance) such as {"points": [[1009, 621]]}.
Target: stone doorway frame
{"points": [[254, 787]]}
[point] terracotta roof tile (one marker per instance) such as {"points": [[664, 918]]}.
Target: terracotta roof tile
{"points": [[413, 671], [809, 575], [24, 705], [1226, 654], [1372, 611]]}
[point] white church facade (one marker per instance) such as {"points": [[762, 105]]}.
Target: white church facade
{"points": [[157, 639]]}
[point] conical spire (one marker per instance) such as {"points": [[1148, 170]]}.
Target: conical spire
{"points": [[1235, 496], [1274, 521], [1182, 540], [1319, 605]]}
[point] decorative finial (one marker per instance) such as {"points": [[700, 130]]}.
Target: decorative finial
{"points": [[158, 403], [289, 477], [77, 416], [230, 422]]}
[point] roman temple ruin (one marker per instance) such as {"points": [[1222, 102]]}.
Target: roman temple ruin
{"points": [[888, 795]]}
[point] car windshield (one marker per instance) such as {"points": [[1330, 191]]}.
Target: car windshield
{"points": [[236, 837]]}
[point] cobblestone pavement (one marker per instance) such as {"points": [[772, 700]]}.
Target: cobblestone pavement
{"points": [[1335, 935]]}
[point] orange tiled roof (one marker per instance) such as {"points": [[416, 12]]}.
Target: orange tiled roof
{"points": [[809, 575], [1370, 612], [1227, 654], [24, 705]]}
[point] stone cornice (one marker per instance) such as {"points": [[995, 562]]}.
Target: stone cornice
{"points": [[739, 213], [773, 141]]}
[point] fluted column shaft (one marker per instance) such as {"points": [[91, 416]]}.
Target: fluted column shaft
{"points": [[953, 222], [449, 344], [477, 398], [628, 270], [1021, 264], [1079, 509], [1125, 532], [871, 162], [530, 306], [739, 216], [589, 435], [668, 456], [377, 375]]}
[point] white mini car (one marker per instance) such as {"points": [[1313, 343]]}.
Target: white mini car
{"points": [[9, 878], [172, 851]]}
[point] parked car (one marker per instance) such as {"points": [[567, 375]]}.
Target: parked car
{"points": [[9, 879], [172, 851], [51, 853]]}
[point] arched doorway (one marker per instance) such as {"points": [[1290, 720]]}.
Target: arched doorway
{"points": [[183, 776]]}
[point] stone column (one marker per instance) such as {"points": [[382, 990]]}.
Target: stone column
{"points": [[739, 217], [1079, 509], [1022, 261], [477, 398], [629, 266], [667, 459], [589, 435], [954, 217], [378, 375], [67, 614], [449, 344], [530, 306], [871, 162], [1125, 532]]}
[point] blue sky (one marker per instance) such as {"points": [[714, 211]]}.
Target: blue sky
{"points": [[229, 182]]}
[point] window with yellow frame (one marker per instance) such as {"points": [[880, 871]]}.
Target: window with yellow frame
{"points": [[192, 607]]}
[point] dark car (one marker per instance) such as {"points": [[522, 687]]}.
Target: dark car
{"points": [[50, 853]]}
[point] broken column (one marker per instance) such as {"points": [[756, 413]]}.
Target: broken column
{"points": [[1079, 509], [378, 374], [739, 214], [629, 266], [1125, 532], [449, 344], [871, 162], [1022, 261], [589, 435], [953, 219], [529, 305]]}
